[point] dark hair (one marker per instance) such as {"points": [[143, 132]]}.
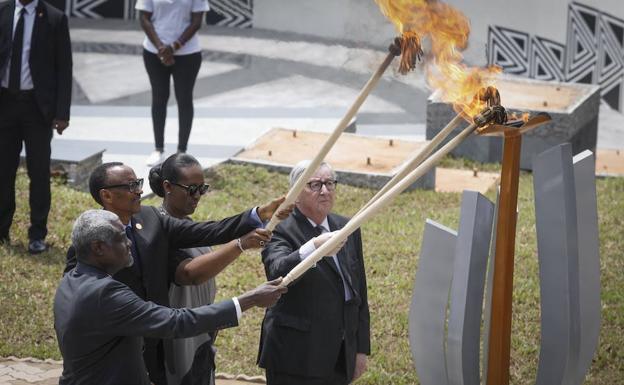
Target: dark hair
{"points": [[169, 170], [99, 178]]}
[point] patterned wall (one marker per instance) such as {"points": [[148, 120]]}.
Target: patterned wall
{"points": [[229, 13], [593, 53]]}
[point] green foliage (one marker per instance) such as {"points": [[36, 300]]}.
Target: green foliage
{"points": [[391, 243]]}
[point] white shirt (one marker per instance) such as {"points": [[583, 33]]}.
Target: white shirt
{"points": [[29, 21], [170, 18], [308, 248]]}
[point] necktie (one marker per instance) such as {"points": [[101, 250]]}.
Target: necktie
{"points": [[133, 250], [15, 74], [347, 290]]}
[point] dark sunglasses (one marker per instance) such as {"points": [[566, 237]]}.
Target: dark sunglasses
{"points": [[134, 187], [193, 189], [317, 185]]}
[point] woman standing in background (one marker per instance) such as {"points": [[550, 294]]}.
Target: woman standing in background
{"points": [[171, 47]]}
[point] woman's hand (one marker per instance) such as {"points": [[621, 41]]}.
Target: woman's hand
{"points": [[255, 239], [165, 54], [265, 212]]}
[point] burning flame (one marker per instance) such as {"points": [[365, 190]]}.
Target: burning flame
{"points": [[447, 30]]}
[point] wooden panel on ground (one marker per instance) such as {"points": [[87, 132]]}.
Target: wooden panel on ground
{"points": [[610, 162], [358, 160], [454, 180]]}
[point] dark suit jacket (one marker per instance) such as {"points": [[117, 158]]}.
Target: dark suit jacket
{"points": [[50, 57], [156, 236], [100, 323], [303, 333]]}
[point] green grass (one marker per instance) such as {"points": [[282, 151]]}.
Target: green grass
{"points": [[391, 245]]}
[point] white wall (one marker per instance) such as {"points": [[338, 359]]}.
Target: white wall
{"points": [[361, 20], [357, 20]]}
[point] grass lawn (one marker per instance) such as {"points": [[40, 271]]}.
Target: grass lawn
{"points": [[391, 245]]}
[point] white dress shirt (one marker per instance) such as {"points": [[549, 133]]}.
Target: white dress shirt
{"points": [[308, 248], [29, 21], [170, 18]]}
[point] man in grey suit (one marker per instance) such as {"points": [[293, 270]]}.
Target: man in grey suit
{"points": [[100, 322]]}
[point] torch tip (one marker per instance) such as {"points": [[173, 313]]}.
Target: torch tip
{"points": [[491, 114], [408, 47]]}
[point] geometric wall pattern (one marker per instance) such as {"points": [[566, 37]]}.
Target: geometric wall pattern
{"points": [[227, 13], [96, 9], [593, 53], [230, 13]]}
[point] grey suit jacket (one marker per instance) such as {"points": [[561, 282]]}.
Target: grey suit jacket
{"points": [[100, 323]]}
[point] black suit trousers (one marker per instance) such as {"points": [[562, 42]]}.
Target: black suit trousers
{"points": [[338, 377], [22, 122]]}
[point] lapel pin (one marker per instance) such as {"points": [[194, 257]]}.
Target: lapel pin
{"points": [[138, 226], [40, 14]]}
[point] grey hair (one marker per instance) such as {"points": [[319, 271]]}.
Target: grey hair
{"points": [[300, 167], [93, 225]]}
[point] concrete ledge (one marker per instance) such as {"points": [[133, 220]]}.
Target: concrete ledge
{"points": [[573, 107], [73, 162]]}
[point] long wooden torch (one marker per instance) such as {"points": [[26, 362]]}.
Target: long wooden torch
{"points": [[408, 46], [384, 200]]}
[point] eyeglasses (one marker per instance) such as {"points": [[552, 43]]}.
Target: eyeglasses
{"points": [[134, 187], [194, 188], [317, 185]]}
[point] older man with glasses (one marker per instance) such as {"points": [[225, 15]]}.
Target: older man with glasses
{"points": [[319, 332], [117, 189]]}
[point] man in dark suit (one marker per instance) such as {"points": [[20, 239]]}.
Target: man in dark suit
{"points": [[99, 321], [156, 236], [318, 333], [35, 95]]}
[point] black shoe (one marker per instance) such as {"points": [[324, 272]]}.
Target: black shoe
{"points": [[37, 246]]}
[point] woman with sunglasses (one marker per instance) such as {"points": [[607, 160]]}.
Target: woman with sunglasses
{"points": [[180, 181]]}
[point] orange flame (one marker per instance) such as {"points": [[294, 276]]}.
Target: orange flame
{"points": [[447, 30], [516, 116]]}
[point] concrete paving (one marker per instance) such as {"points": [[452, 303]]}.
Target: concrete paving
{"points": [[14, 371]]}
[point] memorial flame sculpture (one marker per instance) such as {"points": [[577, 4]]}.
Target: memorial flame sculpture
{"points": [[447, 307]]}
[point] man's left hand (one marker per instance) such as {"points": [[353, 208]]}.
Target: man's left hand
{"points": [[361, 363], [266, 211], [60, 125]]}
